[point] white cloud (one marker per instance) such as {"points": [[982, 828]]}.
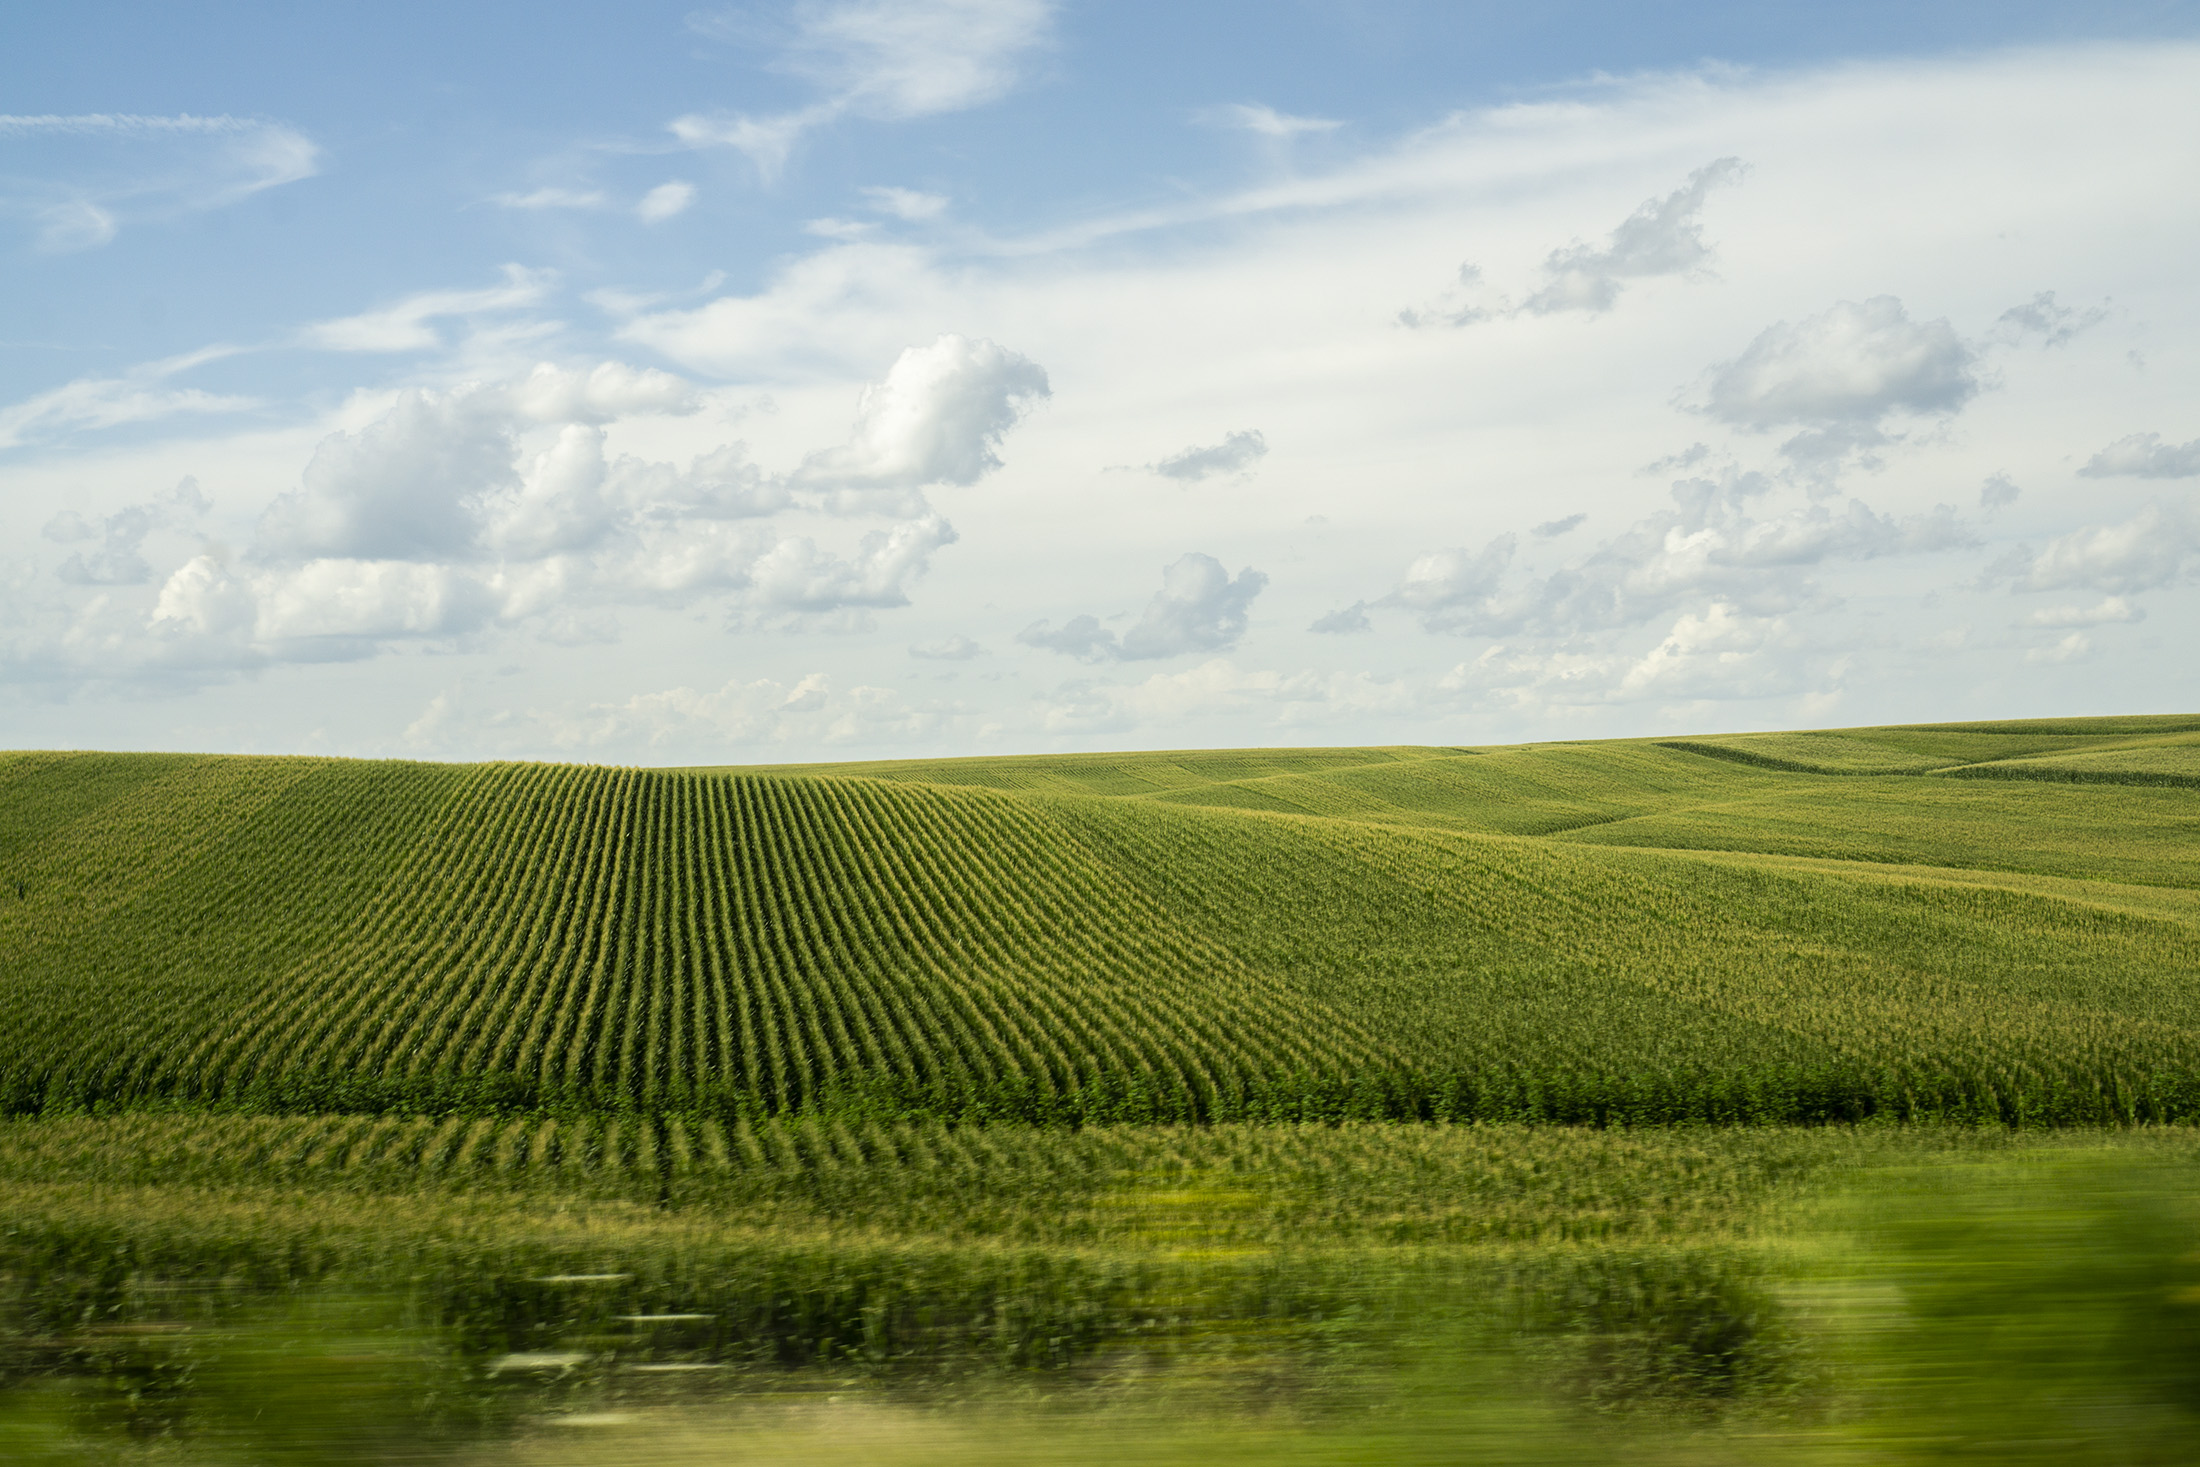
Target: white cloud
{"points": [[1235, 454], [202, 597], [82, 177], [937, 418], [1344, 622], [553, 198], [2072, 648], [2157, 547], [2040, 316], [1852, 365], [1719, 654], [603, 393], [404, 487], [74, 224], [118, 559], [950, 649], [905, 203], [885, 60], [367, 601], [498, 505], [1662, 237], [2145, 456], [139, 395], [1711, 544], [2110, 610], [1448, 587], [797, 577], [1081, 637], [665, 201], [405, 325], [1199, 608], [1255, 117]]}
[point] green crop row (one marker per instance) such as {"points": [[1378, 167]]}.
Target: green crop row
{"points": [[1612, 935]]}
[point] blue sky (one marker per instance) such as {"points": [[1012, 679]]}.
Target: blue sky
{"points": [[863, 377]]}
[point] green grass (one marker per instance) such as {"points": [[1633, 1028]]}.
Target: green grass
{"points": [[1633, 931]]}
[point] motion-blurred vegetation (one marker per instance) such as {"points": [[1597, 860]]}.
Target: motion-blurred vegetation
{"points": [[1999, 1302]]}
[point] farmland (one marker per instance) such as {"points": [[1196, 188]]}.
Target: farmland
{"points": [[1977, 922], [1083, 1065]]}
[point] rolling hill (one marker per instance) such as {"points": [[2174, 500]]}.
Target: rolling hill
{"points": [[1991, 920]]}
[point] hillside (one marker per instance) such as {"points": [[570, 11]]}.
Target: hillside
{"points": [[1961, 919]]}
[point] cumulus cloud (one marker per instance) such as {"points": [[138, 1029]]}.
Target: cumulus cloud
{"points": [[118, 558], [1199, 608], [1081, 637], [1998, 492], [1712, 545], [1346, 621], [950, 649], [1851, 366], [603, 393], [2145, 456], [1662, 237], [937, 418], [885, 60], [2040, 316], [1451, 587], [405, 326], [401, 488], [499, 505], [1237, 453], [1552, 529], [797, 577], [78, 179], [1716, 654], [202, 597], [2159, 546]]}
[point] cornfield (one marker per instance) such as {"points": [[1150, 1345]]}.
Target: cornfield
{"points": [[1740, 929]]}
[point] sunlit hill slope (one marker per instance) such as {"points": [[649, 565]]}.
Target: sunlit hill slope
{"points": [[1986, 920]]}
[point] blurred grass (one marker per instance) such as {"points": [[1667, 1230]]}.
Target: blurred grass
{"points": [[2017, 1302]]}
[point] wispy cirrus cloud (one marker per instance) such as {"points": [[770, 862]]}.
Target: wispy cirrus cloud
{"points": [[142, 393], [77, 179], [883, 60], [1256, 117], [405, 324]]}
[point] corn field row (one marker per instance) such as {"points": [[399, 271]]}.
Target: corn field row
{"points": [[296, 935]]}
